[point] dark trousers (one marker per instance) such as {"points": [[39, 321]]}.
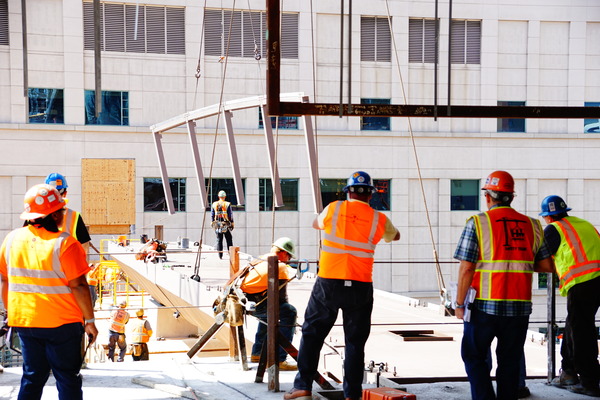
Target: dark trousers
{"points": [[477, 339], [144, 355], [57, 349], [328, 296], [113, 341], [579, 349], [228, 238], [287, 325]]}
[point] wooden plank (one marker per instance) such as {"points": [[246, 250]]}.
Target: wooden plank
{"points": [[108, 229]]}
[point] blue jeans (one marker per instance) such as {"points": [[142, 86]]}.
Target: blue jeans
{"points": [[328, 296], [287, 325], [477, 338], [57, 349]]}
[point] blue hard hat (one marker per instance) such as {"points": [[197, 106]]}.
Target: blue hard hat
{"points": [[57, 180], [358, 179], [553, 205]]}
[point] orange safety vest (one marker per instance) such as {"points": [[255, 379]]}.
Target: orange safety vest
{"points": [[140, 333], [92, 276], [39, 295], [220, 208], [508, 243], [69, 224], [352, 231], [257, 279], [118, 319]]}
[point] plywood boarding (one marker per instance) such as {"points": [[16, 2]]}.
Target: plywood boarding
{"points": [[108, 194]]}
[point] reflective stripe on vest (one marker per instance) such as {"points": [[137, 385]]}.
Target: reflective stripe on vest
{"points": [[118, 321], [351, 234], [508, 242], [139, 333], [220, 208], [69, 225], [574, 263], [54, 273]]}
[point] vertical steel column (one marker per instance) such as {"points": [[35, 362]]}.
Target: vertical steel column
{"points": [[449, 55], [98, 61], [235, 165], [276, 184], [163, 171], [342, 60], [435, 62], [350, 55], [273, 323], [25, 51], [273, 55], [551, 327], [191, 127]]}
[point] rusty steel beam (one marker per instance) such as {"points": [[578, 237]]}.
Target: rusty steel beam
{"points": [[426, 110], [273, 56]]}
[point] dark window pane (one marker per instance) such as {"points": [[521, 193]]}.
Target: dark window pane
{"points": [[332, 190], [375, 123], [289, 192], [464, 194], [154, 194], [115, 108], [228, 186], [381, 198], [511, 124], [4, 37], [591, 125], [283, 122], [46, 106]]}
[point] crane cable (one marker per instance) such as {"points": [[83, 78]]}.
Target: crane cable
{"points": [[440, 277]]}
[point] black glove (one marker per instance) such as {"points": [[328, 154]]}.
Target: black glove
{"points": [[4, 328]]}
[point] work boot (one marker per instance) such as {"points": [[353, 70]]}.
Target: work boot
{"points": [[286, 366], [592, 391], [298, 394], [565, 380]]}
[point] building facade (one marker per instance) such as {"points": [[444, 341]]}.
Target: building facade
{"points": [[164, 58]]}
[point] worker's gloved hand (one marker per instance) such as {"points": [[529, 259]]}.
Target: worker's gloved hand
{"points": [[4, 328], [231, 226]]}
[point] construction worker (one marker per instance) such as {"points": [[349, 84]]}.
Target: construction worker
{"points": [[222, 222], [42, 272], [140, 335], [92, 280], [575, 245], [73, 222], [254, 285], [498, 251], [116, 332], [352, 229]]}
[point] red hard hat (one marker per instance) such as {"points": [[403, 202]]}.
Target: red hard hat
{"points": [[40, 201], [499, 181]]}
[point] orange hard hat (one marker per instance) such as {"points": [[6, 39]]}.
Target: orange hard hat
{"points": [[40, 201], [499, 181]]}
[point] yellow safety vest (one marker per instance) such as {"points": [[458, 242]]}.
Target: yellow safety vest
{"points": [[140, 333], [69, 224]]}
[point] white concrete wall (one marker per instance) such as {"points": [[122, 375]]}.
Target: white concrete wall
{"points": [[542, 52]]}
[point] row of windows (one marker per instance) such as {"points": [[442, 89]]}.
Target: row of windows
{"points": [[464, 193], [331, 190]]}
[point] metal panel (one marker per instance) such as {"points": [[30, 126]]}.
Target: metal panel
{"points": [[235, 166], [313, 164], [276, 184], [191, 126], [163, 172]]}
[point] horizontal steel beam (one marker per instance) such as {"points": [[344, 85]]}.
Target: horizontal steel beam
{"points": [[410, 110]]}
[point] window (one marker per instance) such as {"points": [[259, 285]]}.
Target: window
{"points": [[283, 122], [115, 108], [464, 194], [4, 23], [154, 194], [543, 281], [46, 106], [591, 125], [375, 123], [511, 124], [332, 190], [466, 42], [289, 191], [228, 186], [159, 29], [375, 39], [421, 40], [248, 33]]}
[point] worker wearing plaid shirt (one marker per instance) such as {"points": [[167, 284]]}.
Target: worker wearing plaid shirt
{"points": [[501, 310]]}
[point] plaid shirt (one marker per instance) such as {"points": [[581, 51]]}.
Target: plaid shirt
{"points": [[468, 250]]}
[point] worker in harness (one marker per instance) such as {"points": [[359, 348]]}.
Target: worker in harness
{"points": [[116, 332], [575, 245], [498, 251], [140, 335], [254, 285], [352, 229], [222, 222]]}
